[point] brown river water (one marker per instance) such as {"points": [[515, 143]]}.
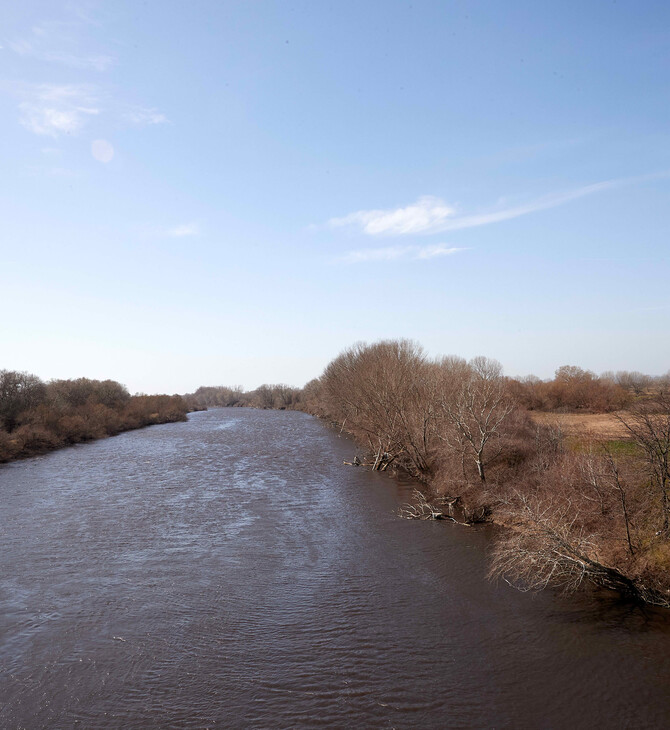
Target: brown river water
{"points": [[231, 572]]}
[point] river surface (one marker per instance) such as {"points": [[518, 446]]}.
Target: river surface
{"points": [[231, 572]]}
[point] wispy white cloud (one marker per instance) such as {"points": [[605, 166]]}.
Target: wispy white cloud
{"points": [[186, 229], [95, 62], [55, 109], [428, 213], [432, 215], [143, 117], [439, 249], [395, 253], [59, 41]]}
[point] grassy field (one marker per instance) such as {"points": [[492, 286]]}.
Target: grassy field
{"points": [[601, 426]]}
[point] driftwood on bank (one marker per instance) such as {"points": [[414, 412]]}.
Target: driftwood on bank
{"points": [[380, 463], [441, 508]]}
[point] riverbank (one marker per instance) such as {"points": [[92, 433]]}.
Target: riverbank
{"points": [[577, 469], [38, 417], [581, 504]]}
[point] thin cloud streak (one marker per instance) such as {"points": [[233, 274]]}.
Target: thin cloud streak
{"points": [[395, 253], [97, 63], [186, 229], [57, 41], [55, 109], [144, 117], [432, 215]]}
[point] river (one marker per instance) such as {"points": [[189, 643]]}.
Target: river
{"points": [[231, 572]]}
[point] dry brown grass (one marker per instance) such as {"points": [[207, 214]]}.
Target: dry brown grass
{"points": [[595, 425]]}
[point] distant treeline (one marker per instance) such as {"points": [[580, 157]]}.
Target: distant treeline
{"points": [[279, 397], [36, 417], [576, 509], [574, 389]]}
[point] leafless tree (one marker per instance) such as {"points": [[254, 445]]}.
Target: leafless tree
{"points": [[649, 425], [378, 393], [19, 392], [475, 410], [619, 486], [634, 381], [264, 396], [601, 474]]}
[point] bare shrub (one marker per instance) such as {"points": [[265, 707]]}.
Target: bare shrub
{"points": [[648, 423]]}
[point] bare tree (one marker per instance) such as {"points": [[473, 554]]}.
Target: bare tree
{"points": [[617, 483], [601, 473], [634, 381], [649, 425], [265, 396], [475, 410], [378, 392], [19, 392], [285, 394]]}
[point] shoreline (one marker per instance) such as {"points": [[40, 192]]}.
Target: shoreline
{"points": [[459, 512], [44, 450]]}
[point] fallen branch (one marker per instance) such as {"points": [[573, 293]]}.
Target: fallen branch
{"points": [[422, 509]]}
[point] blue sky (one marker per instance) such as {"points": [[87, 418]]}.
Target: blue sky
{"points": [[233, 192]]}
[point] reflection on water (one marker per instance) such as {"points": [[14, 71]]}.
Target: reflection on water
{"points": [[229, 571]]}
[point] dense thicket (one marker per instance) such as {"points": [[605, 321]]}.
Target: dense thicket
{"points": [[36, 417], [575, 510]]}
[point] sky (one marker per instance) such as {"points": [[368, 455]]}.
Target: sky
{"points": [[204, 193]]}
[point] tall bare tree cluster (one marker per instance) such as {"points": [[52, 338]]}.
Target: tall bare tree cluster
{"points": [[575, 511], [381, 394], [428, 417]]}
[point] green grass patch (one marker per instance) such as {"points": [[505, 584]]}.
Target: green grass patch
{"points": [[617, 447], [622, 447]]}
